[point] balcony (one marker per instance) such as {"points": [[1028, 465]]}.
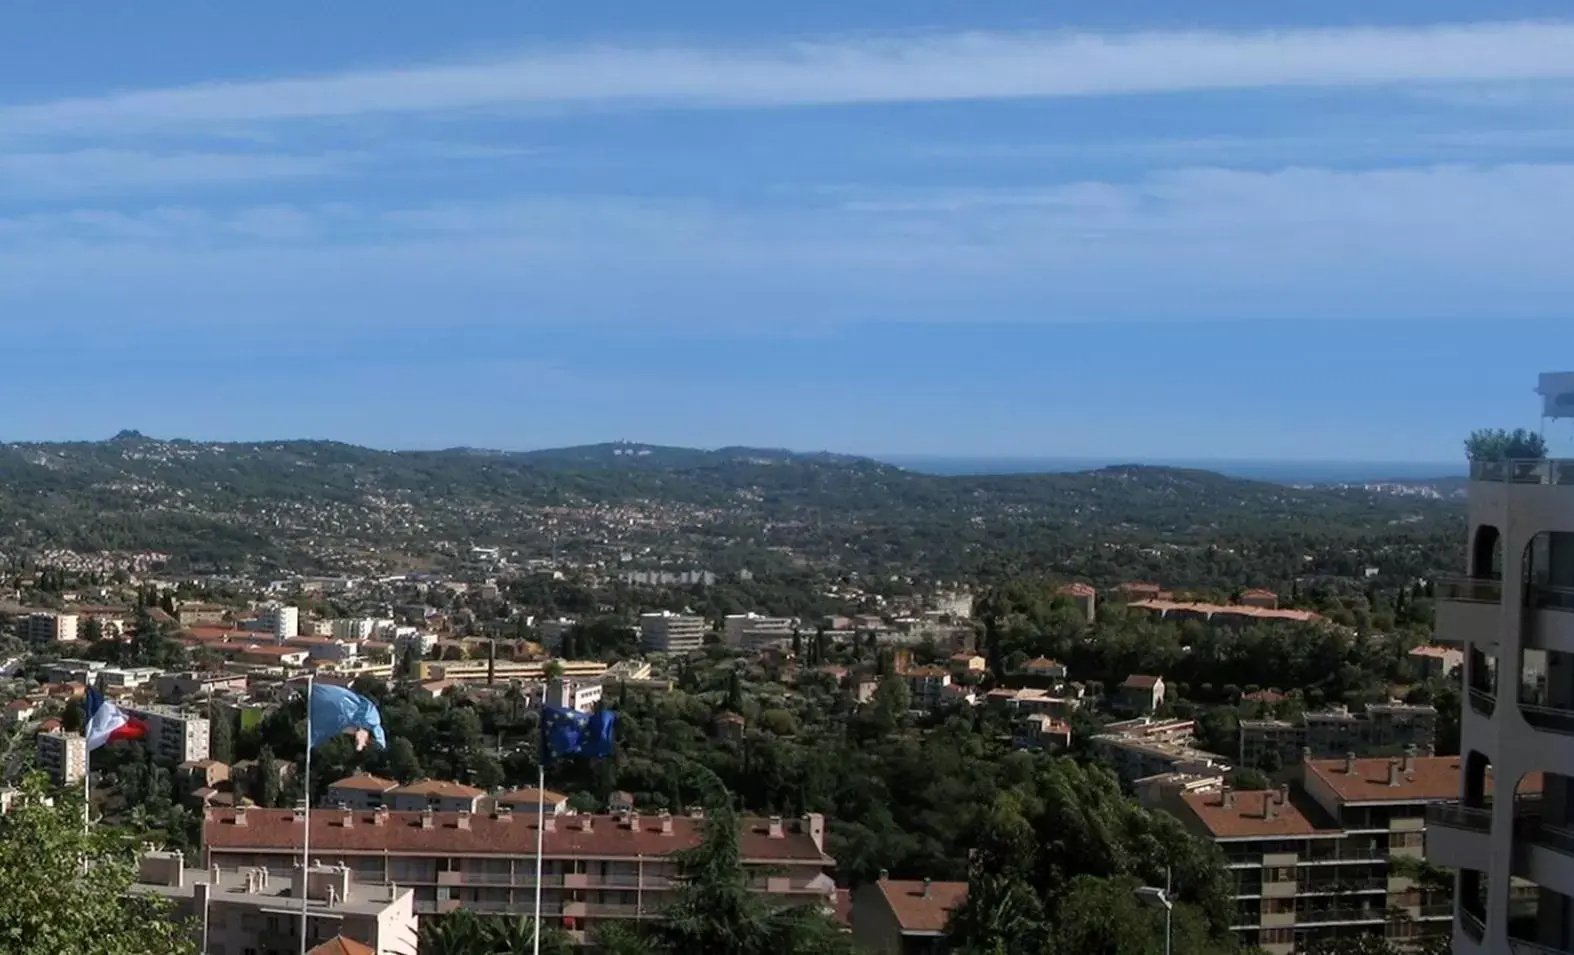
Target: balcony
{"points": [[1551, 617], [1554, 718], [1520, 946], [1467, 610], [1524, 471], [1455, 816], [1340, 916], [1474, 925], [1482, 701], [1458, 836]]}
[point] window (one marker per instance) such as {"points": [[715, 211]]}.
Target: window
{"points": [[1404, 840], [1278, 906], [1277, 936]]}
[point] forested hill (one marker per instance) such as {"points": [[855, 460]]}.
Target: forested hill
{"points": [[273, 502]]}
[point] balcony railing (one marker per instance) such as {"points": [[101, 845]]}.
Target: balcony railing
{"points": [[1323, 916], [1558, 719], [1524, 471], [1477, 590], [1482, 701], [1473, 924], [1520, 946], [1548, 597], [1341, 888], [1455, 816]]}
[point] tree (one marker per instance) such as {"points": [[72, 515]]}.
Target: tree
{"points": [[1496, 444], [221, 743], [54, 903], [265, 789], [403, 764]]}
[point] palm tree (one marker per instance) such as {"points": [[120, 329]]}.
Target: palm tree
{"points": [[459, 932]]}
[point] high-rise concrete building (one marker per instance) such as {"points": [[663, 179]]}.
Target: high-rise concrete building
{"points": [[668, 632], [1512, 613], [47, 627], [282, 622], [174, 736], [63, 756]]}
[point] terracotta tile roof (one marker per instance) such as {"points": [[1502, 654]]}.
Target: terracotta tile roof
{"points": [[926, 672], [1135, 588], [1258, 592], [1078, 589], [1237, 814], [1265, 696], [1141, 681], [217, 633], [914, 912], [278, 830], [1433, 778], [1043, 663], [365, 782], [1228, 610], [269, 650], [17, 706], [439, 787], [1440, 653], [339, 945], [529, 796]]}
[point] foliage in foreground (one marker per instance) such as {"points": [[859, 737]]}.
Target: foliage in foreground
{"points": [[67, 889]]}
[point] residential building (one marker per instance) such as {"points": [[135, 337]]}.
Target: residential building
{"points": [[281, 621], [18, 712], [1383, 729], [926, 686], [73, 671], [1040, 672], [175, 687], [595, 868], [668, 632], [896, 917], [1083, 597], [63, 756], [200, 614], [1316, 860], [1512, 615], [353, 628], [1140, 693], [437, 795], [1228, 615], [1042, 731], [969, 663], [47, 628], [269, 655], [1059, 704], [240, 910], [1265, 599], [734, 625], [359, 792], [1434, 662], [580, 695], [174, 736], [531, 800], [1144, 747], [128, 678]]}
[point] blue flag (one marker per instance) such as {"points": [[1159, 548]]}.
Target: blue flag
{"points": [[335, 710], [566, 732]]}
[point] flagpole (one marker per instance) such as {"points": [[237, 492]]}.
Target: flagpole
{"points": [[541, 828], [306, 835]]}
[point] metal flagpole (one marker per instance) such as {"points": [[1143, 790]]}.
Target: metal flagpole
{"points": [[306, 834], [541, 828]]}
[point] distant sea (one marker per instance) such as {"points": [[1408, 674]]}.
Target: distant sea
{"points": [[1286, 472]]}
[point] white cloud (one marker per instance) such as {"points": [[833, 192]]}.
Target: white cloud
{"points": [[103, 170], [1446, 241], [905, 69]]}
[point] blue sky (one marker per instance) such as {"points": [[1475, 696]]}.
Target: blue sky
{"points": [[924, 227]]}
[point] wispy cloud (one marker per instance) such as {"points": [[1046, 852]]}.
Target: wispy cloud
{"points": [[35, 174], [904, 69], [1446, 241]]}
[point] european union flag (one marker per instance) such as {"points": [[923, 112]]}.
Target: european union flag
{"points": [[566, 732]]}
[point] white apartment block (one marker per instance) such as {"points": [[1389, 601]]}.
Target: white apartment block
{"points": [[283, 622], [47, 627], [353, 628], [249, 910], [174, 736], [668, 632], [1512, 613], [579, 695], [735, 625], [63, 756]]}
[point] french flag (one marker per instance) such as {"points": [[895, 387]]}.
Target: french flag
{"points": [[106, 723]]}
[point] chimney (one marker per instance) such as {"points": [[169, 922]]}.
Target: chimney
{"points": [[380, 816], [666, 822], [503, 813], [548, 822], [587, 823], [1410, 762], [633, 821], [428, 818], [1394, 776], [1270, 800], [774, 827], [929, 885], [1227, 798], [696, 812], [1306, 754], [1284, 793], [1349, 764], [240, 815], [463, 820], [885, 874], [300, 814], [347, 819]]}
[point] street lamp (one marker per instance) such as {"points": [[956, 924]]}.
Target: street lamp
{"points": [[1158, 898]]}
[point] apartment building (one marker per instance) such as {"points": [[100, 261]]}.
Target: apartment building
{"points": [[1143, 747], [1315, 860], [1512, 614], [1382, 729], [361, 792], [281, 621], [764, 629], [174, 687], [436, 795], [927, 686], [249, 910], [668, 632], [63, 756], [595, 867], [579, 695], [47, 627], [905, 917], [174, 736]]}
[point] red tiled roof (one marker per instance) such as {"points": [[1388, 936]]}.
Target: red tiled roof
{"points": [[1043, 663], [1258, 592], [1265, 696], [916, 913], [439, 787], [365, 782], [1141, 681], [1078, 589], [529, 796], [278, 830], [1248, 818], [1432, 778], [339, 945], [1228, 610], [1440, 653]]}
